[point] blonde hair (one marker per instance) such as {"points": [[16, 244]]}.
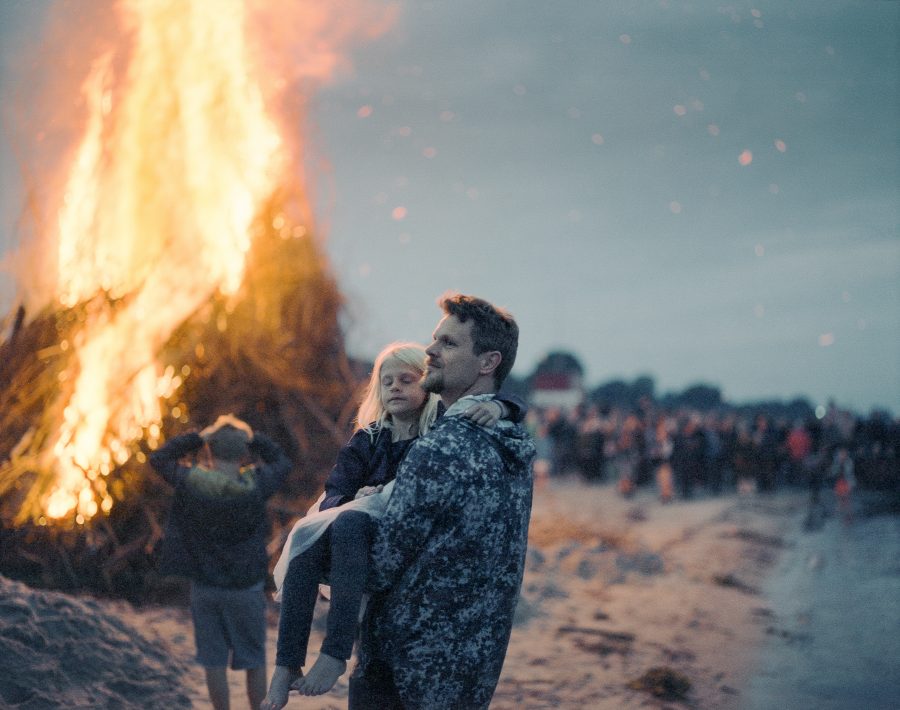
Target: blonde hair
{"points": [[371, 415]]}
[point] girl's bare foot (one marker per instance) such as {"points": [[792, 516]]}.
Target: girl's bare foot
{"points": [[322, 676], [283, 679]]}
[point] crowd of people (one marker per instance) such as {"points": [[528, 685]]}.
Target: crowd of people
{"points": [[685, 452]]}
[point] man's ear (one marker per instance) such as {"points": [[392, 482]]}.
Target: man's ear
{"points": [[490, 361]]}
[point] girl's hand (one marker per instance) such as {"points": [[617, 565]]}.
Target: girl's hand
{"points": [[485, 413], [368, 491]]}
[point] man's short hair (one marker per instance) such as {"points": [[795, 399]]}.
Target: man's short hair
{"points": [[493, 328], [228, 443]]}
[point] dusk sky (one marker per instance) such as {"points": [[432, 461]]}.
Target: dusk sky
{"points": [[699, 191]]}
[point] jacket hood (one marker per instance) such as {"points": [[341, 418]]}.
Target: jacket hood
{"points": [[513, 440]]}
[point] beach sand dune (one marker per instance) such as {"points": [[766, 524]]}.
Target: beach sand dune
{"points": [[625, 604], [57, 651]]}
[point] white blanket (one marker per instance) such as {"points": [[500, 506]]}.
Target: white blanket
{"points": [[311, 526]]}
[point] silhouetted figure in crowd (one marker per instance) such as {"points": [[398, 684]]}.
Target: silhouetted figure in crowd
{"points": [[590, 446], [714, 452], [765, 458], [626, 456], [844, 482], [688, 455], [660, 458], [564, 434], [799, 447]]}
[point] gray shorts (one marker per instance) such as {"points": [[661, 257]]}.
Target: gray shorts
{"points": [[229, 622]]}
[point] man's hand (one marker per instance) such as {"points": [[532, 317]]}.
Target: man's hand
{"points": [[486, 413], [368, 491]]}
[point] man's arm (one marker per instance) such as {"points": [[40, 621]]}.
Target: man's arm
{"points": [[165, 459], [430, 483]]}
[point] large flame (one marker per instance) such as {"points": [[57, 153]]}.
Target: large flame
{"points": [[176, 159], [189, 130]]}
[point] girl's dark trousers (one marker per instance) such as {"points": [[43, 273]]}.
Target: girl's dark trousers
{"points": [[342, 555]]}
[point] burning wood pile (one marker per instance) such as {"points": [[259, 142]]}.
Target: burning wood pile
{"points": [[290, 379], [181, 280]]}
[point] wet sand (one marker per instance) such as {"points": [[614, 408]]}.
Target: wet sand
{"points": [[613, 589], [834, 640]]}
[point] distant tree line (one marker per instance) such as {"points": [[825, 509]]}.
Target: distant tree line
{"points": [[631, 395]]}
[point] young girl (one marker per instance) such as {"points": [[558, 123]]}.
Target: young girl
{"points": [[334, 541]]}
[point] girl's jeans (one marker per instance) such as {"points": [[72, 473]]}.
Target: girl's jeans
{"points": [[341, 553]]}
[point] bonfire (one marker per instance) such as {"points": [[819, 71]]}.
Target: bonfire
{"points": [[177, 275]]}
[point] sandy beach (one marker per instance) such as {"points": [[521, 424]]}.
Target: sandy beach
{"points": [[614, 589]]}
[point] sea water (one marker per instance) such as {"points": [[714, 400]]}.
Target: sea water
{"points": [[834, 637]]}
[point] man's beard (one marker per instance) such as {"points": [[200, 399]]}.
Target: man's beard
{"points": [[433, 382]]}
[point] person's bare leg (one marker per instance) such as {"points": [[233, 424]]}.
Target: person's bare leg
{"points": [[279, 687], [217, 685], [323, 675], [256, 686]]}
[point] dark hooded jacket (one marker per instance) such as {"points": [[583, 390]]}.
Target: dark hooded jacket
{"points": [[217, 530], [448, 561]]}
